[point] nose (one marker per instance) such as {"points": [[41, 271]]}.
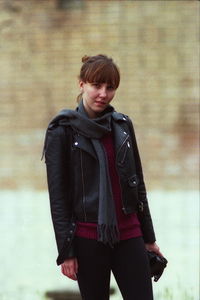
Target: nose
{"points": [[102, 92]]}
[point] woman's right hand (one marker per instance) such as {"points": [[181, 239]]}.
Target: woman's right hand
{"points": [[69, 268]]}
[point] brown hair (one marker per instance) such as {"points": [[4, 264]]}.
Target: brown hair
{"points": [[99, 69]]}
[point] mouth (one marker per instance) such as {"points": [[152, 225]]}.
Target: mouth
{"points": [[100, 103]]}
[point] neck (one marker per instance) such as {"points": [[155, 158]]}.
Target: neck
{"points": [[91, 114]]}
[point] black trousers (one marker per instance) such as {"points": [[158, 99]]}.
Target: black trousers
{"points": [[128, 262]]}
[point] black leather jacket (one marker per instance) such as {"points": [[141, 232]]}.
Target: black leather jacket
{"points": [[73, 180]]}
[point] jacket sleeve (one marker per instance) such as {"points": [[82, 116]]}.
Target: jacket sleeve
{"points": [[57, 165], [144, 215]]}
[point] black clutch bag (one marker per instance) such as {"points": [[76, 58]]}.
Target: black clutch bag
{"points": [[157, 264]]}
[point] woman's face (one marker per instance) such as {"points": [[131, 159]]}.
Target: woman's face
{"points": [[96, 97]]}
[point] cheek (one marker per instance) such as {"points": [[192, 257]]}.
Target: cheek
{"points": [[93, 93], [111, 95]]}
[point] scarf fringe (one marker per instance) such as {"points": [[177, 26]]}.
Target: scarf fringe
{"points": [[108, 234]]}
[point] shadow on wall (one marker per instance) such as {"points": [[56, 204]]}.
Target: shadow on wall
{"points": [[70, 4], [65, 295], [60, 4]]}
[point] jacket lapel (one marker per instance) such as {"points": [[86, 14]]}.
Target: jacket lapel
{"points": [[85, 144], [121, 134]]}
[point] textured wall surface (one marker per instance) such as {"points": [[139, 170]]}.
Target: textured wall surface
{"points": [[155, 45]]}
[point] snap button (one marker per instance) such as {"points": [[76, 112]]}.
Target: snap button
{"points": [[73, 224], [133, 181], [71, 231], [76, 143], [141, 206]]}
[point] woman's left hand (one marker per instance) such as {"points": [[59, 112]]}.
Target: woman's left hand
{"points": [[154, 248]]}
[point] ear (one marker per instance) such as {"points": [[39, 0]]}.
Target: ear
{"points": [[81, 83]]}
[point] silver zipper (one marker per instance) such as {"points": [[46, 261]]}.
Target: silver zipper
{"points": [[83, 186], [121, 147], [123, 207]]}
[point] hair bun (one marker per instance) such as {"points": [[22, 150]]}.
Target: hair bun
{"points": [[85, 58]]}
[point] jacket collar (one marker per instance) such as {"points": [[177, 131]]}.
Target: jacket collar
{"points": [[119, 132], [121, 135]]}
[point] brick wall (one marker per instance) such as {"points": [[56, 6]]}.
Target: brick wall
{"points": [[155, 45]]}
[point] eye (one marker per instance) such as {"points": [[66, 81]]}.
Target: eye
{"points": [[110, 87], [97, 85]]}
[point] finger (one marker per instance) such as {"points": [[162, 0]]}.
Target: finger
{"points": [[65, 269], [72, 270], [158, 252], [73, 277], [69, 272]]}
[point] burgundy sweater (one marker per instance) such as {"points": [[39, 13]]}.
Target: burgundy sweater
{"points": [[129, 225]]}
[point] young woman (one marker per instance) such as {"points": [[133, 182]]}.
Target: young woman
{"points": [[97, 193]]}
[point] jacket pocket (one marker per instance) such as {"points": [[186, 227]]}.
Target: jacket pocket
{"points": [[132, 189], [130, 194], [133, 183]]}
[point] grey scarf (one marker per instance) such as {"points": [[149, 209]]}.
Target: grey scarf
{"points": [[95, 129]]}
